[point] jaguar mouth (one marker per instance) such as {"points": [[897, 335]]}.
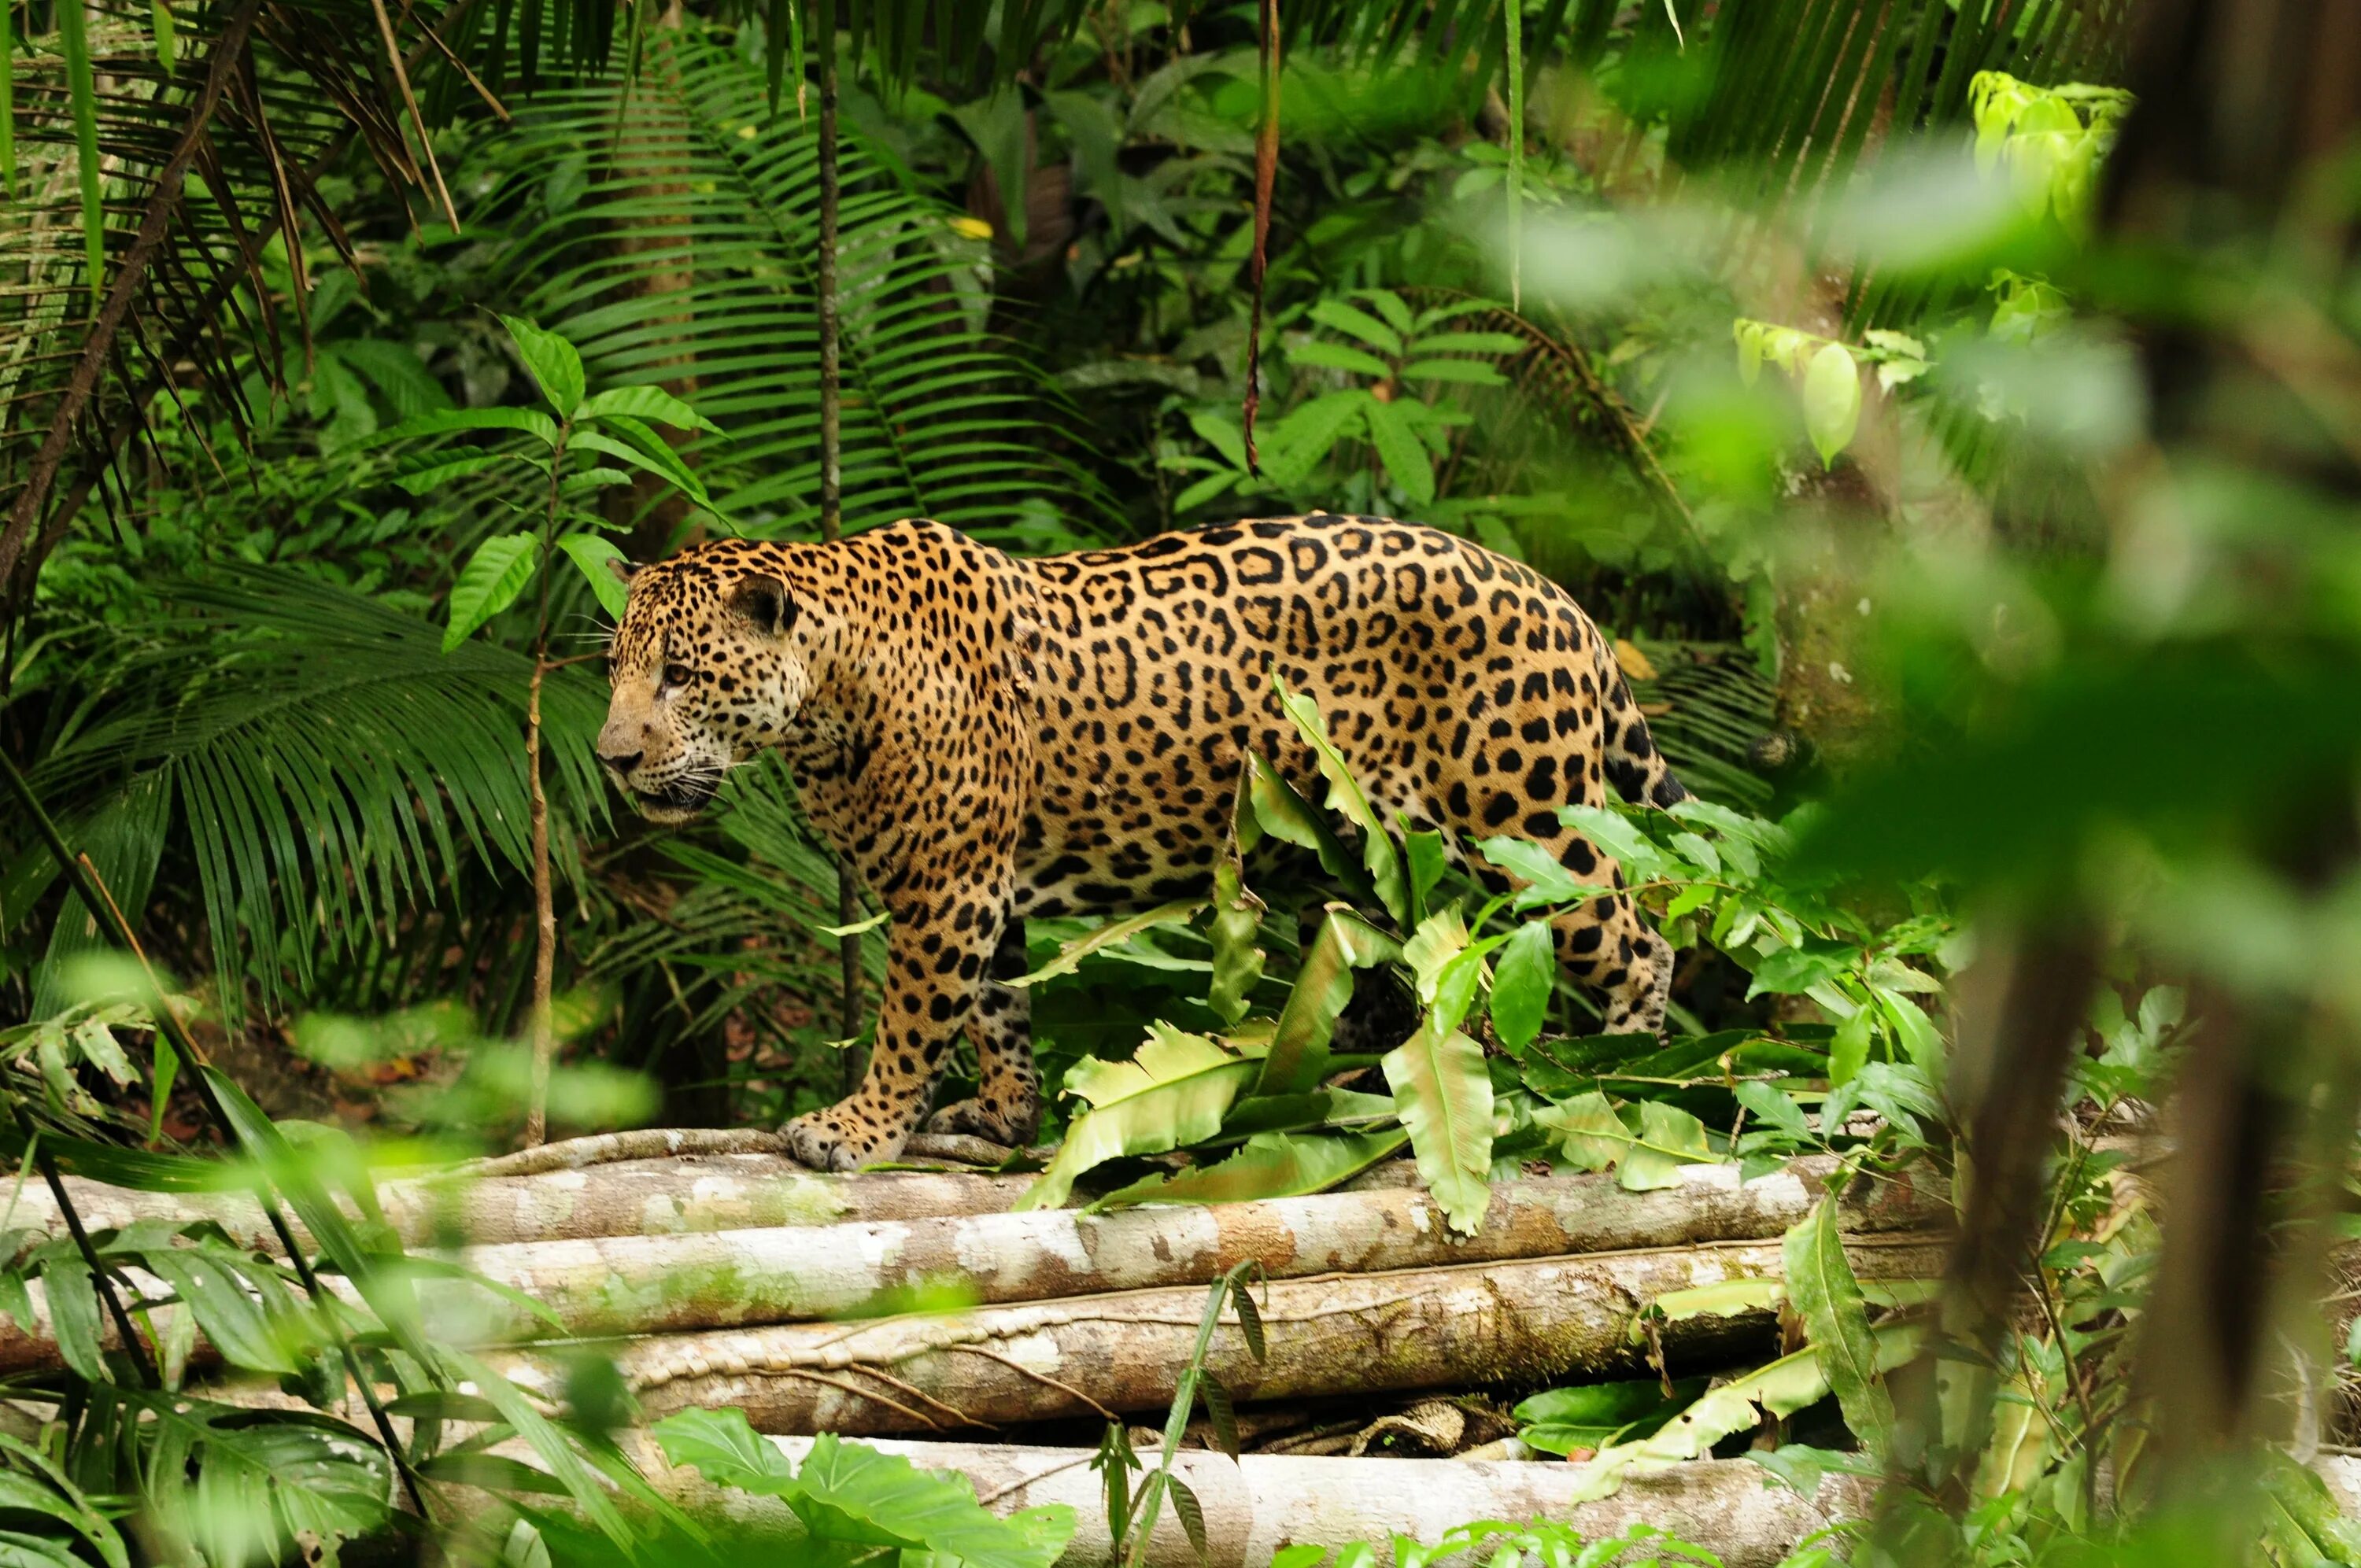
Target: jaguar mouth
{"points": [[683, 798]]}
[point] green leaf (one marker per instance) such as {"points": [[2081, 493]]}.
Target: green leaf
{"points": [[1399, 449], [1446, 1097], [73, 41], [1522, 983], [1669, 1138], [1768, 1105], [443, 422], [1354, 321], [489, 583], [72, 1296], [1563, 1419], [1237, 917], [1172, 1092], [590, 553], [1831, 400], [1466, 372], [235, 1320], [1309, 432], [851, 1492], [1112, 934], [1270, 1164], [1322, 354], [552, 361], [651, 456], [161, 23], [1849, 1052], [1286, 816], [1346, 795], [1826, 1295], [725, 1447], [1323, 984], [1591, 1135], [646, 403], [1546, 880], [1780, 1388], [439, 468]]}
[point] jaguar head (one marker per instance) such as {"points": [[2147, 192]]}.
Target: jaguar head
{"points": [[707, 668]]}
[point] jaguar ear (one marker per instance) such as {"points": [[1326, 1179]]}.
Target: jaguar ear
{"points": [[762, 603], [623, 569]]}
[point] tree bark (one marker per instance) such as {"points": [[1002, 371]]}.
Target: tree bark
{"points": [[1263, 1502], [1420, 1329], [682, 1284]]}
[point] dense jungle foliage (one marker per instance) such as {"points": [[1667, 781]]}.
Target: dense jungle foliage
{"points": [[1951, 410]]}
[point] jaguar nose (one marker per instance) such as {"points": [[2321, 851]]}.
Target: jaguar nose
{"points": [[621, 764]]}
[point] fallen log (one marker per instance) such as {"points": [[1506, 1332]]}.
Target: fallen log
{"points": [[1416, 1329], [639, 1285], [617, 1286], [655, 1197], [1261, 1503]]}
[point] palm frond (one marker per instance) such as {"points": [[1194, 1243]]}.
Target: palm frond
{"points": [[146, 181], [687, 261], [323, 760]]}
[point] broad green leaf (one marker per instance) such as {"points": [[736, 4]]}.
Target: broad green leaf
{"points": [[1822, 1287], [1285, 815], [1344, 794], [1546, 880], [1446, 1097], [1270, 1164], [1832, 401], [552, 361], [1323, 984], [1768, 1105], [235, 1320], [1849, 1052], [489, 583], [1399, 449], [1589, 1132], [1594, 1416], [724, 1446], [590, 553], [851, 1492], [1616, 835], [1113, 934], [1781, 1388], [646, 403], [73, 1297], [1522, 982], [1171, 1093], [1237, 914], [161, 25], [1669, 1138]]}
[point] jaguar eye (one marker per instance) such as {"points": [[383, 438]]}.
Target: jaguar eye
{"points": [[677, 675]]}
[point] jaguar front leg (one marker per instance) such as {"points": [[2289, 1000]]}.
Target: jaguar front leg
{"points": [[1007, 1105], [935, 963]]}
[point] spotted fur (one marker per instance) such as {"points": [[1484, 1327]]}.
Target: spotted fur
{"points": [[989, 738]]}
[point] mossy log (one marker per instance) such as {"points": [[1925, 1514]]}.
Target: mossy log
{"points": [[1733, 1507], [616, 1287], [1456, 1327], [639, 1285]]}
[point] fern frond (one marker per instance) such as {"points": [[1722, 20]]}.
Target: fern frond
{"points": [[687, 261]]}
